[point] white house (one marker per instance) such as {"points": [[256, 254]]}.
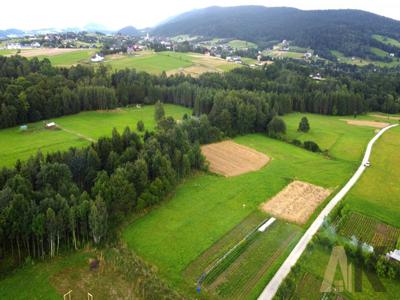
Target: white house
{"points": [[97, 58], [391, 54]]}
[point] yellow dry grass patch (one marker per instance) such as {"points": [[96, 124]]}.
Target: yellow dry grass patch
{"points": [[201, 64], [231, 159], [296, 202], [47, 51], [385, 117], [366, 123]]}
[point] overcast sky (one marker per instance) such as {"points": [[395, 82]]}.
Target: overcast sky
{"points": [[114, 14]]}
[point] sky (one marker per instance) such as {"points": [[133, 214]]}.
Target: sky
{"points": [[115, 14]]}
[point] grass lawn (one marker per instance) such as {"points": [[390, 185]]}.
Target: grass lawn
{"points": [[377, 194], [70, 58], [379, 52], [15, 144], [239, 44], [206, 207], [363, 62], [7, 52], [343, 141], [315, 262], [33, 281], [387, 40], [153, 63]]}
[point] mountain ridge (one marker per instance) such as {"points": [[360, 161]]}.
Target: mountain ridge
{"points": [[346, 30]]}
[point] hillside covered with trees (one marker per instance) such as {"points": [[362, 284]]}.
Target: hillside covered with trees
{"points": [[348, 31]]}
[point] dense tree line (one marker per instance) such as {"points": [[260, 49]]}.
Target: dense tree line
{"points": [[33, 90], [66, 199]]}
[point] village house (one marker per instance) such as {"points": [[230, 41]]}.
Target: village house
{"points": [[97, 58]]}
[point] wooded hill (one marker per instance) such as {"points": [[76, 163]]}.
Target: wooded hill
{"points": [[347, 31]]}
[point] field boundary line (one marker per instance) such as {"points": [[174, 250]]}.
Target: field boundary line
{"points": [[272, 287], [89, 139], [209, 269]]}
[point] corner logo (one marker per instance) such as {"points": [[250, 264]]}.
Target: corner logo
{"points": [[350, 282]]}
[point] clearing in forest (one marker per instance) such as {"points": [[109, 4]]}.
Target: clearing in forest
{"points": [[296, 202], [231, 159], [366, 123]]}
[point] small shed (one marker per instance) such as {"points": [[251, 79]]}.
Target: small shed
{"points": [[23, 128], [51, 125]]}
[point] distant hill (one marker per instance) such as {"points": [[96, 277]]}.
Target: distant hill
{"points": [[94, 27], [129, 30], [11, 32], [347, 31]]}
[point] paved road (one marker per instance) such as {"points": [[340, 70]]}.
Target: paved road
{"points": [[272, 287]]}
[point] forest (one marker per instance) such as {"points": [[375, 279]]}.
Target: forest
{"points": [[64, 200], [67, 199], [315, 29], [33, 90]]}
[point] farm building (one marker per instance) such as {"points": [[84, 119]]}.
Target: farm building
{"points": [[50, 125], [97, 58]]}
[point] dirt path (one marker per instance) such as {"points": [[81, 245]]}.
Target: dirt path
{"points": [[272, 287], [385, 117], [89, 139]]}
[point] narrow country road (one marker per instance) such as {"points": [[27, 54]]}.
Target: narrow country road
{"points": [[272, 287]]}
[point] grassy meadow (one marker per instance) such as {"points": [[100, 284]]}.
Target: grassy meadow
{"points": [[77, 131], [65, 59], [377, 194], [206, 207], [170, 62], [375, 198], [313, 264], [206, 214], [343, 141], [153, 63], [71, 58]]}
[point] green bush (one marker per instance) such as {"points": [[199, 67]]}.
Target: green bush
{"points": [[311, 146], [297, 143]]}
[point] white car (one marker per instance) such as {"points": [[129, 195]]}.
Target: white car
{"points": [[367, 164]]}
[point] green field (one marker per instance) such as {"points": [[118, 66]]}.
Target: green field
{"points": [[283, 54], [15, 144], [207, 214], [387, 40], [363, 62], [71, 58], [343, 141], [375, 198], [60, 60], [312, 266], [377, 194], [33, 281], [153, 63], [7, 52], [206, 207], [240, 45], [379, 52]]}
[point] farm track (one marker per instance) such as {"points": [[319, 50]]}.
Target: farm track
{"points": [[252, 283], [273, 286], [81, 136]]}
